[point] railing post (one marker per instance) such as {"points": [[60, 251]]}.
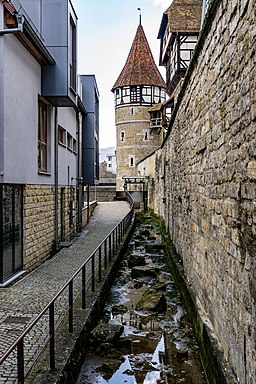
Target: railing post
{"points": [[20, 357], [113, 242], [52, 336], [109, 244], [93, 272], [70, 299], [100, 264], [105, 254], [83, 287], [116, 230]]}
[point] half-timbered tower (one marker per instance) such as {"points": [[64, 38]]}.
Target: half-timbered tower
{"points": [[178, 36], [138, 87]]}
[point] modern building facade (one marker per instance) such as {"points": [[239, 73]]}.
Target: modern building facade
{"points": [[41, 122], [138, 87], [90, 129]]}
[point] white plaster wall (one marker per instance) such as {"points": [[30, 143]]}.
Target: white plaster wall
{"points": [[22, 84]]}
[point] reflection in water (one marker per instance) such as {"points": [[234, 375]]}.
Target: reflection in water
{"points": [[120, 376]]}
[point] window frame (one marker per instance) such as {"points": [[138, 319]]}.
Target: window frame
{"points": [[61, 131], [43, 142]]}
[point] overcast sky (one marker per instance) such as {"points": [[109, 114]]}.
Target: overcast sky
{"points": [[106, 29]]}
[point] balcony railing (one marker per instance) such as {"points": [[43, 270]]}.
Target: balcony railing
{"points": [[155, 122], [82, 283]]}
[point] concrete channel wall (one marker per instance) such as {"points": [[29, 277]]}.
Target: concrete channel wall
{"points": [[203, 181]]}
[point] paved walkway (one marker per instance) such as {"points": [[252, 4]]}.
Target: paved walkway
{"points": [[22, 302]]}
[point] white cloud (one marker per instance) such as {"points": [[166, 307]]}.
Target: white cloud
{"points": [[162, 3]]}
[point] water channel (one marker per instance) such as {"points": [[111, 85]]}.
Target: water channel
{"points": [[144, 335]]}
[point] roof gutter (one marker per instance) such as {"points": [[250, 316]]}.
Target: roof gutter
{"points": [[20, 21]]}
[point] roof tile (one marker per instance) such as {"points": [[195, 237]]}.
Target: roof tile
{"points": [[140, 67]]}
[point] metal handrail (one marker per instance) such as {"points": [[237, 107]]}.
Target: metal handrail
{"points": [[109, 244]]}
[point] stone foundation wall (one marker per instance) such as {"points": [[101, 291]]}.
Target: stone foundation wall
{"points": [[39, 222], [204, 181]]}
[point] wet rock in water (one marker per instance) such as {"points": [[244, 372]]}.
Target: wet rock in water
{"points": [[153, 301], [139, 237], [138, 284], [119, 309], [146, 319], [142, 271], [136, 260], [145, 232], [153, 248], [109, 351], [108, 370], [149, 227], [124, 343], [106, 333], [160, 287], [181, 353], [128, 372]]}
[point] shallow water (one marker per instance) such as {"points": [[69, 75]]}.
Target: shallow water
{"points": [[161, 347]]}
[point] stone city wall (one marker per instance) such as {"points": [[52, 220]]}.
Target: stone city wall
{"points": [[103, 193], [204, 180], [39, 222]]}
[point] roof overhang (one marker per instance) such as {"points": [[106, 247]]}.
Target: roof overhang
{"points": [[29, 37]]}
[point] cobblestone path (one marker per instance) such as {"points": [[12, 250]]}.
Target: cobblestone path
{"points": [[22, 302]]}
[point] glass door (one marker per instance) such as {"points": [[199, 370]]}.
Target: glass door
{"points": [[11, 260]]}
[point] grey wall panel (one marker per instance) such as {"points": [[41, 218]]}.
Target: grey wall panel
{"points": [[88, 131], [88, 165], [55, 23], [33, 10], [55, 77]]}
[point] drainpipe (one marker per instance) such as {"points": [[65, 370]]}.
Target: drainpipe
{"points": [[56, 179], [20, 22], [79, 172]]}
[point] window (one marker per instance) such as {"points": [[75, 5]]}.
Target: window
{"points": [[61, 135], [146, 134], [131, 160], [74, 145], [122, 136], [42, 136], [72, 59], [135, 94], [69, 141]]}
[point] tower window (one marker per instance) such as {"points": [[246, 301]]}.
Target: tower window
{"points": [[132, 111], [122, 136], [146, 134], [135, 94], [131, 161]]}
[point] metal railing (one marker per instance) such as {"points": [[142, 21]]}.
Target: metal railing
{"points": [[89, 274]]}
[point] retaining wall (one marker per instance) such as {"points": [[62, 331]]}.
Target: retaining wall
{"points": [[203, 180]]}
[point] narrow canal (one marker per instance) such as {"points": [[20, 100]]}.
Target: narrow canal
{"points": [[144, 335]]}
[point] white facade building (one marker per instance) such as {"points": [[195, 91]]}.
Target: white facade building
{"points": [[41, 130]]}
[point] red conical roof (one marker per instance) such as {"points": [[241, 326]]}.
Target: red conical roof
{"points": [[140, 67]]}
